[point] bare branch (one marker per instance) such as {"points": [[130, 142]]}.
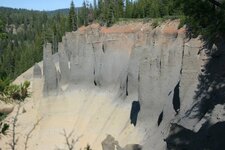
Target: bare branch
{"points": [[70, 142], [14, 139], [67, 137], [30, 132]]}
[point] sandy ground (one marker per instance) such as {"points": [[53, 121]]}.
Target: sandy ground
{"points": [[90, 114]]}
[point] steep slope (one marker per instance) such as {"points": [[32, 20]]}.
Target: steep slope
{"points": [[126, 87]]}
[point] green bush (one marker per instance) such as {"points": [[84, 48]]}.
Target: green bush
{"points": [[173, 17], [4, 82], [155, 23], [2, 116], [17, 92], [182, 21], [3, 126]]}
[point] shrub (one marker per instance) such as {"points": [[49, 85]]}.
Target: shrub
{"points": [[155, 23], [173, 17], [88, 147], [182, 22], [17, 92], [2, 116], [3, 126], [3, 83]]}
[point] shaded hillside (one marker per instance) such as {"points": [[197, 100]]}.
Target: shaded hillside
{"points": [[61, 11], [64, 11]]}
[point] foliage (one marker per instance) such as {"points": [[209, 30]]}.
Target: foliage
{"points": [[2, 30], [155, 23], [17, 92], [2, 116], [3, 126], [4, 82], [182, 21], [88, 147], [25, 32], [72, 18], [211, 24]]}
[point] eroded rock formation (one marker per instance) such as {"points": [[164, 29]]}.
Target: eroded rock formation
{"points": [[169, 75]]}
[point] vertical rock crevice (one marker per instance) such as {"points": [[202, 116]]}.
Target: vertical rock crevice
{"points": [[95, 83], [134, 112], [176, 98], [127, 86], [103, 48], [160, 118]]}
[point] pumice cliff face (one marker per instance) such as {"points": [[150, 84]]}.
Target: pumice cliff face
{"points": [[131, 87], [136, 64]]}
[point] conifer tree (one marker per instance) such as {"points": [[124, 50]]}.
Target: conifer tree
{"points": [[110, 16], [2, 32], [120, 8], [128, 9], [91, 14], [95, 8], [84, 14], [72, 18]]}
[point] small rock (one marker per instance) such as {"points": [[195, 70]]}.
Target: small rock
{"points": [[24, 110], [37, 71], [6, 108]]}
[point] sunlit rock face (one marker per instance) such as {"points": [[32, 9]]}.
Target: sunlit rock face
{"points": [[150, 78]]}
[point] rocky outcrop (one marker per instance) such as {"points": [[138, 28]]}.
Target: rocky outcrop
{"points": [[37, 73], [111, 144], [201, 120], [50, 73], [6, 108], [172, 78]]}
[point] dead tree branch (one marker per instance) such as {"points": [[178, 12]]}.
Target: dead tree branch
{"points": [[70, 142], [29, 135], [14, 139]]}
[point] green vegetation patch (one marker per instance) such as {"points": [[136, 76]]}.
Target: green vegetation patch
{"points": [[17, 92]]}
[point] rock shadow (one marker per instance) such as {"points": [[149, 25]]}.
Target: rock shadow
{"points": [[208, 138], [134, 112], [209, 93], [211, 88]]}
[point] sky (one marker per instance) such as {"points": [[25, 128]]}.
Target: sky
{"points": [[39, 4]]}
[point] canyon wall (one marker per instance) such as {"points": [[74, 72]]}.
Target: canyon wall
{"points": [[164, 76]]}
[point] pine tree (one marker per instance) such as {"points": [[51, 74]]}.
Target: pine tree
{"points": [[2, 32], [110, 16], [95, 10], [20, 51], [72, 18], [84, 14], [156, 8], [91, 14], [128, 9], [101, 12], [120, 8]]}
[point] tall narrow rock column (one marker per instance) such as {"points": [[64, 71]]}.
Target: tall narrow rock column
{"points": [[50, 72]]}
